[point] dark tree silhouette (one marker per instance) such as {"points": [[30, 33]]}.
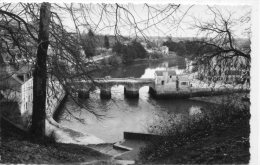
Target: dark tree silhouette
{"points": [[106, 42], [89, 44], [40, 73], [223, 49]]}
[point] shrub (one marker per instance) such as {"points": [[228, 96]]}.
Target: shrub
{"points": [[179, 130], [156, 55], [112, 60], [133, 50]]}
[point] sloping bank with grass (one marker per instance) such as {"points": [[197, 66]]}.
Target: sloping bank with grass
{"points": [[18, 146], [55, 99], [217, 134]]}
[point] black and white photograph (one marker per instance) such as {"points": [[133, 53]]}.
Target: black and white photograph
{"points": [[129, 82]]}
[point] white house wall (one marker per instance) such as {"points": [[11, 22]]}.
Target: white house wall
{"points": [[54, 95], [27, 97], [167, 88]]}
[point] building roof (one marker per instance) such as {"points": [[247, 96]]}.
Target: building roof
{"points": [[160, 72], [183, 77], [171, 72]]}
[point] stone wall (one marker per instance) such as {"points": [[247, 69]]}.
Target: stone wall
{"points": [[166, 88]]}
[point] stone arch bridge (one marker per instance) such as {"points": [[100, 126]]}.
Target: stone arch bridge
{"points": [[131, 86]]}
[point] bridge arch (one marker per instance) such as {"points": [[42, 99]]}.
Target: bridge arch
{"points": [[131, 86], [146, 90]]}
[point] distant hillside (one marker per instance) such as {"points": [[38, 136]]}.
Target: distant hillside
{"points": [[158, 39], [112, 39]]}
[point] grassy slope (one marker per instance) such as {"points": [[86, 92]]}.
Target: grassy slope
{"points": [[227, 143], [18, 147], [230, 145]]}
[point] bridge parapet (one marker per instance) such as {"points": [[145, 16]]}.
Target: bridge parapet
{"points": [[131, 85], [108, 83]]}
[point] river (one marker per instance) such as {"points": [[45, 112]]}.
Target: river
{"points": [[121, 114]]}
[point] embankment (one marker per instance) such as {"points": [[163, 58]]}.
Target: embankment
{"points": [[55, 100], [217, 135]]}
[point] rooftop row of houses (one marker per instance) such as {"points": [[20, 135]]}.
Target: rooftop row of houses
{"points": [[163, 49], [233, 70]]}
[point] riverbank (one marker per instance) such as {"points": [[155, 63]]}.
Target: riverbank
{"points": [[61, 144], [135, 69], [19, 147], [225, 146], [115, 61], [216, 136]]}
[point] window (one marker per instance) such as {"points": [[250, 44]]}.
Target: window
{"points": [[162, 82], [184, 83], [20, 77]]}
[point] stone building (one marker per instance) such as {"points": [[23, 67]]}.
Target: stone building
{"points": [[168, 81], [165, 50], [183, 83], [27, 96], [54, 95], [165, 77]]}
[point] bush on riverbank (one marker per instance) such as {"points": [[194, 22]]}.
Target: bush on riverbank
{"points": [[112, 61], [156, 55], [199, 134]]}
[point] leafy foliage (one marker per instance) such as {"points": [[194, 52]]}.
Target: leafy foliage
{"points": [[189, 49], [130, 52], [112, 61], [89, 44], [188, 129]]}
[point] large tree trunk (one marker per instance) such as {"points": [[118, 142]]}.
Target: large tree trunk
{"points": [[40, 73]]}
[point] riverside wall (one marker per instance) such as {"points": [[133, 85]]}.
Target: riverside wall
{"points": [[194, 92]]}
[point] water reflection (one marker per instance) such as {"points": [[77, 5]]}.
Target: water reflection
{"points": [[122, 114], [149, 72]]}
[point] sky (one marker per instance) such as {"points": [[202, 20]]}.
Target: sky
{"points": [[137, 19], [179, 23]]}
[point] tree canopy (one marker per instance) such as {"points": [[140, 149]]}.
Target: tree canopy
{"points": [[89, 43], [131, 51]]}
